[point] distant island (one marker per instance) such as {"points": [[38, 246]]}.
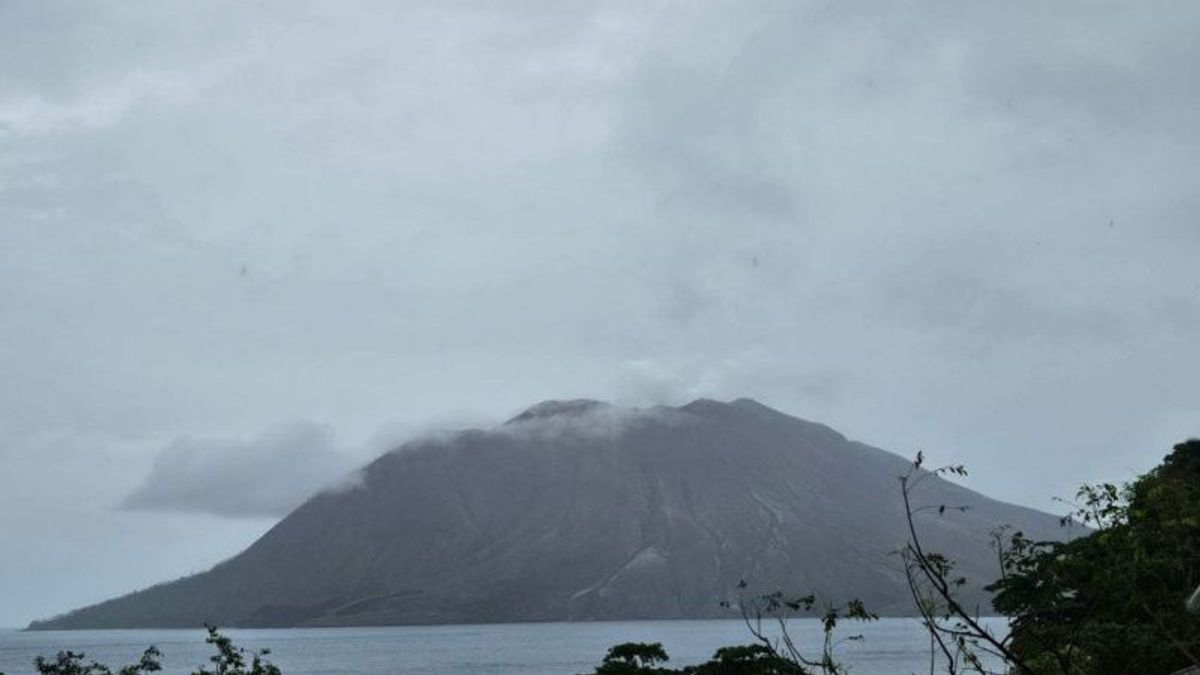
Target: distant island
{"points": [[582, 510]]}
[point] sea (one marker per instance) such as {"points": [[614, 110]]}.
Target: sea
{"points": [[887, 646]]}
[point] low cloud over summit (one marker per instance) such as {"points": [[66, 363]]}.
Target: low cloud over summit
{"points": [[264, 476]]}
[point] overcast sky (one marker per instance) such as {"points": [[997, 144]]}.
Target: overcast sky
{"points": [[246, 246]]}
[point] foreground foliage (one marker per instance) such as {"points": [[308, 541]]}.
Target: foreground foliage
{"points": [[229, 659], [1113, 602], [639, 658], [774, 653]]}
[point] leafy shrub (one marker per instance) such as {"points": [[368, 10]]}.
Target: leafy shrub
{"points": [[229, 660]]}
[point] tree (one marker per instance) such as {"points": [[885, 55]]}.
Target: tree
{"points": [[753, 659], [1113, 602], [634, 658], [639, 658], [229, 660], [777, 608], [957, 635], [72, 663], [774, 653]]}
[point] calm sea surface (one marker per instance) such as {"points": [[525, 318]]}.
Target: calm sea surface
{"points": [[889, 647]]}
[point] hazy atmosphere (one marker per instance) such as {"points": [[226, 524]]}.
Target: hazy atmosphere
{"points": [[245, 247]]}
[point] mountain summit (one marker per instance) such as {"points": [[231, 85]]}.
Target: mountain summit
{"points": [[578, 510]]}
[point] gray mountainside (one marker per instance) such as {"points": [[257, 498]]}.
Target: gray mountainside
{"points": [[579, 510]]}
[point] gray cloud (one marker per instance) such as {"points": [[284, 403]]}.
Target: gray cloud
{"points": [[566, 421], [268, 475]]}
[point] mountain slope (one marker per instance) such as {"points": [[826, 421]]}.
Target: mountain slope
{"points": [[580, 510]]}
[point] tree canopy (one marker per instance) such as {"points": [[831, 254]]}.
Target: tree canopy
{"points": [[1113, 602]]}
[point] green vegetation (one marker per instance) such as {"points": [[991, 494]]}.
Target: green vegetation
{"points": [[638, 658], [1113, 602], [765, 657], [72, 663], [229, 659]]}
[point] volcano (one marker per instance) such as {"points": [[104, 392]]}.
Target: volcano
{"points": [[581, 510]]}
